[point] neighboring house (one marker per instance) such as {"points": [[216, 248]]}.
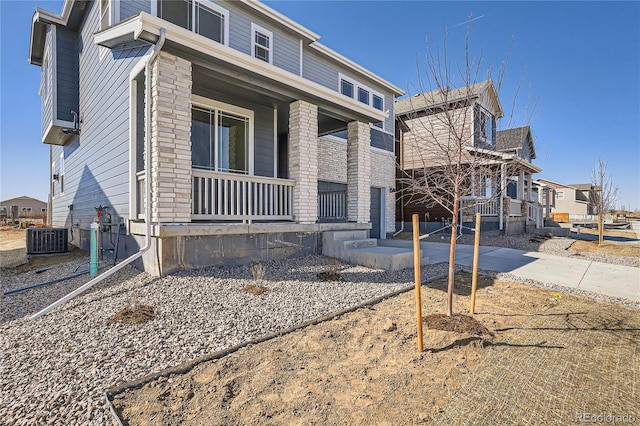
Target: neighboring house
{"points": [[256, 137], [427, 122], [578, 200], [23, 207]]}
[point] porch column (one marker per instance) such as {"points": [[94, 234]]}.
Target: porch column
{"points": [[358, 172], [529, 197], [303, 160], [170, 139], [521, 185]]}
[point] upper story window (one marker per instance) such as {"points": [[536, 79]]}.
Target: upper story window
{"points": [[366, 95], [200, 16], [105, 13], [560, 195], [347, 87], [262, 43], [363, 96], [484, 128], [45, 84], [378, 102]]}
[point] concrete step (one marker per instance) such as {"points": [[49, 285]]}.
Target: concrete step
{"points": [[388, 258], [360, 243], [344, 235]]}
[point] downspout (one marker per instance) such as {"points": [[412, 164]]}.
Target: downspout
{"points": [[147, 177]]}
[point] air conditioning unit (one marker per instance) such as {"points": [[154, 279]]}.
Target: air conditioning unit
{"points": [[47, 240]]}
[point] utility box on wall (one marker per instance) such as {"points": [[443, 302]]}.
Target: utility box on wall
{"points": [[47, 240]]}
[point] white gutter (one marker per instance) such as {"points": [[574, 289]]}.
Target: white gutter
{"points": [[147, 176], [145, 27]]}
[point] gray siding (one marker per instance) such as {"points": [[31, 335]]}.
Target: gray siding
{"points": [[47, 101], [263, 129], [97, 165], [318, 70], [133, 7], [286, 48], [382, 140], [66, 73]]}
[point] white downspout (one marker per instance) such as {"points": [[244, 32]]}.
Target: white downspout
{"points": [[147, 177]]}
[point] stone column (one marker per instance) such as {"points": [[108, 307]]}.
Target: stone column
{"points": [[303, 160], [358, 172], [170, 139]]}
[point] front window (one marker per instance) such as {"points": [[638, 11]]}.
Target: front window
{"points": [[363, 95], [560, 195], [346, 88], [262, 41], [200, 16], [378, 102], [220, 140]]}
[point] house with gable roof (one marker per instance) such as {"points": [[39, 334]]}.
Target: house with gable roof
{"points": [[431, 123], [209, 131]]}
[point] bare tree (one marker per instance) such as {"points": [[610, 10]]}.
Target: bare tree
{"points": [[447, 154], [606, 193]]}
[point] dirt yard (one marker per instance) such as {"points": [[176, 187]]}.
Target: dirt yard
{"points": [[631, 248], [565, 353], [360, 368], [13, 255]]}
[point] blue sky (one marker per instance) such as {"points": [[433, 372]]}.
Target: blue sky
{"points": [[582, 62]]}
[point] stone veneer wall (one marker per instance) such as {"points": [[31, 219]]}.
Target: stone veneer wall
{"points": [[358, 172], [303, 160], [170, 139], [332, 167]]}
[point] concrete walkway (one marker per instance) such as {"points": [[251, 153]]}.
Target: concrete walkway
{"points": [[603, 278]]}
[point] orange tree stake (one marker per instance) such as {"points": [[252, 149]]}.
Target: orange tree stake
{"points": [[416, 267], [474, 276]]}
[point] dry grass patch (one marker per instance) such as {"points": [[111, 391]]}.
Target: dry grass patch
{"points": [[607, 247], [134, 314], [256, 290]]}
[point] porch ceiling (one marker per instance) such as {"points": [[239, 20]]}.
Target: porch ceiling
{"points": [[250, 72], [209, 82]]}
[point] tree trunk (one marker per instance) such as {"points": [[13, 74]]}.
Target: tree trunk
{"points": [[452, 269], [600, 229], [452, 255]]}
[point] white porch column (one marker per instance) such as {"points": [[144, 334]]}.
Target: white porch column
{"points": [[358, 172], [303, 160], [521, 185], [170, 139], [529, 195]]}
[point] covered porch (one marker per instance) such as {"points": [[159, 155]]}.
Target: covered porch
{"points": [[506, 198], [234, 164]]}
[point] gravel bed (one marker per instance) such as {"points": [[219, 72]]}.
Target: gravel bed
{"points": [[54, 370]]}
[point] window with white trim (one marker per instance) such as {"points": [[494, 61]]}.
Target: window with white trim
{"points": [[221, 138], [200, 16], [350, 87], [105, 14], [262, 43], [559, 195], [45, 84]]}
